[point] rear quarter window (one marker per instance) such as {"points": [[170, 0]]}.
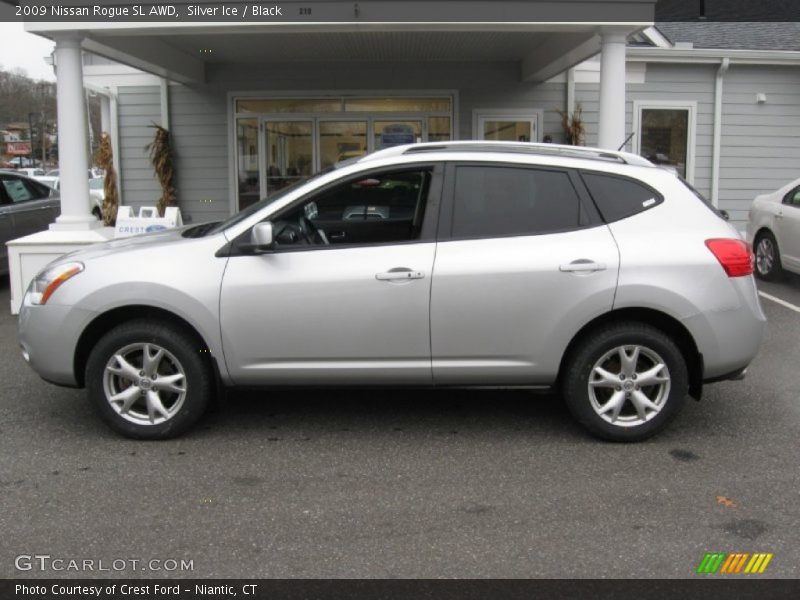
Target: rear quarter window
{"points": [[619, 197]]}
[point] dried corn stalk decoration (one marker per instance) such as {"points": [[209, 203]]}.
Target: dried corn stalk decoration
{"points": [[573, 126], [104, 158], [161, 158]]}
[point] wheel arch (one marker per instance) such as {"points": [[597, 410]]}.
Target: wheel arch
{"points": [[761, 230], [668, 324], [106, 321]]}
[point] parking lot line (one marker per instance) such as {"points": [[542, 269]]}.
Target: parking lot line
{"points": [[788, 305]]}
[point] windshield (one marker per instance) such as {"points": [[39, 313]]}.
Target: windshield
{"points": [[254, 208]]}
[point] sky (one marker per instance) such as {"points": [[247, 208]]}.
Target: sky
{"points": [[18, 48]]}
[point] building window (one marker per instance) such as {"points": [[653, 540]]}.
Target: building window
{"points": [[504, 125], [665, 135], [280, 140]]}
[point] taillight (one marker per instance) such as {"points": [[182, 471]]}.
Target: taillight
{"points": [[735, 256]]}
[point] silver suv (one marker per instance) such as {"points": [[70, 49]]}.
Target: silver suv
{"points": [[456, 264]]}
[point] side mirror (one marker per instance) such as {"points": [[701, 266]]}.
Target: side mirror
{"points": [[724, 214], [261, 239]]}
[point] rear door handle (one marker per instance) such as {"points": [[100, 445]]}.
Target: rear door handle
{"points": [[582, 266], [399, 274]]}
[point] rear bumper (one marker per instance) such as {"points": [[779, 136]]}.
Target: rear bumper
{"points": [[736, 375], [729, 339]]}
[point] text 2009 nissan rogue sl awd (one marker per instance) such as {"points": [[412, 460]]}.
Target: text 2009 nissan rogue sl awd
{"points": [[457, 264]]}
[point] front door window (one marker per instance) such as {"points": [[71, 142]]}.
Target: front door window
{"points": [[377, 209]]}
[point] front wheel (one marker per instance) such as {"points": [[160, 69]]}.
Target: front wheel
{"points": [[625, 382], [149, 380]]}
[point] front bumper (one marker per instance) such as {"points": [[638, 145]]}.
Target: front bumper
{"points": [[48, 336]]}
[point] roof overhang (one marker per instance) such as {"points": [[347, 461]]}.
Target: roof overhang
{"points": [[713, 56], [543, 47]]}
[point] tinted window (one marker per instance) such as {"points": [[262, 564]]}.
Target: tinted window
{"points": [[21, 190], [618, 197], [496, 201], [375, 209]]}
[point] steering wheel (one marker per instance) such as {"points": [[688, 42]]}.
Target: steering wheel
{"points": [[309, 231]]}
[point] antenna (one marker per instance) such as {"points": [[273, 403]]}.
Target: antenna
{"points": [[627, 139]]}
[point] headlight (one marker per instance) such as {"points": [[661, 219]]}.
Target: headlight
{"points": [[50, 279]]}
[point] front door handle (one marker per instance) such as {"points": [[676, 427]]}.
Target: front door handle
{"points": [[582, 265], [399, 274]]}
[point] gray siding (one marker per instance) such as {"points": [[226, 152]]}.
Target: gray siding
{"points": [[200, 139], [138, 108], [760, 142]]}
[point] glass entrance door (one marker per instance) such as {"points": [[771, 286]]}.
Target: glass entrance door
{"points": [[341, 140], [288, 153], [390, 133]]}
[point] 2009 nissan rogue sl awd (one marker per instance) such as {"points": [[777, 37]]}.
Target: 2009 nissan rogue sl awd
{"points": [[455, 264]]}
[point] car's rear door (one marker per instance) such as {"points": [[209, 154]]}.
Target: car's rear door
{"points": [[522, 262], [352, 311]]}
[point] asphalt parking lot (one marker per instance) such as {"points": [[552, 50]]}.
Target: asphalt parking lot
{"points": [[360, 484]]}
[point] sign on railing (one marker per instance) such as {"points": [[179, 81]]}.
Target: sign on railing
{"points": [[147, 221]]}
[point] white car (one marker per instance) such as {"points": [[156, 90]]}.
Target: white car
{"points": [[773, 228], [31, 172], [96, 191]]}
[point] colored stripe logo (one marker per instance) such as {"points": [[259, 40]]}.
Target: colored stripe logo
{"points": [[734, 563]]}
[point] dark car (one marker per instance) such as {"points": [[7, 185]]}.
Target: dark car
{"points": [[26, 206]]}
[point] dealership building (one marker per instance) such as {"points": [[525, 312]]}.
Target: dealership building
{"points": [[253, 106]]}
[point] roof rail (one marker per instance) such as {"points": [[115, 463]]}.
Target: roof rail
{"points": [[519, 148], [531, 148]]}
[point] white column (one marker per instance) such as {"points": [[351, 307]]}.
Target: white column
{"points": [[73, 161], [612, 91]]}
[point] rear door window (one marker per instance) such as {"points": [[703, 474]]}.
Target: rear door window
{"points": [[494, 201], [16, 190], [620, 197]]}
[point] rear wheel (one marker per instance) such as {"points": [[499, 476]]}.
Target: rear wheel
{"points": [[625, 382], [149, 380], [768, 259]]}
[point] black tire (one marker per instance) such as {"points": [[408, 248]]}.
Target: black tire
{"points": [[182, 356], [599, 346], [768, 257]]}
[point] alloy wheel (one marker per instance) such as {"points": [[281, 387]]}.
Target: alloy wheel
{"points": [[765, 256], [629, 385], [144, 383]]}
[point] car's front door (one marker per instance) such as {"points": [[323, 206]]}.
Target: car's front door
{"points": [[522, 262], [344, 295], [788, 226]]}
